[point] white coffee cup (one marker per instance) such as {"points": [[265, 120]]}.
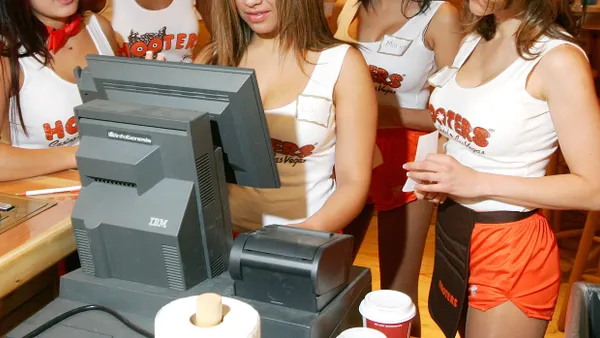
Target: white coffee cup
{"points": [[361, 332], [388, 311]]}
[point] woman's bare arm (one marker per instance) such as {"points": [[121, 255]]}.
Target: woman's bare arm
{"points": [[18, 163], [568, 86], [565, 81], [444, 38], [109, 32], [356, 120]]}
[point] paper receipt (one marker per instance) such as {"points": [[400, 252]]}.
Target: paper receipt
{"points": [[428, 144]]}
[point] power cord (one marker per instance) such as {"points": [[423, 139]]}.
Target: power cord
{"points": [[85, 308]]}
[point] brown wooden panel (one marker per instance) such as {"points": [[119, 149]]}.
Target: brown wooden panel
{"points": [[40, 242]]}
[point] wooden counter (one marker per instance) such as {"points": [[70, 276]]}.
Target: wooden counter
{"points": [[29, 251], [40, 242]]}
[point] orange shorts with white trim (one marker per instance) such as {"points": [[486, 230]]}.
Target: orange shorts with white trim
{"points": [[517, 262], [397, 146]]}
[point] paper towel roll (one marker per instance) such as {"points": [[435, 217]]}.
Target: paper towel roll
{"points": [[240, 320]]}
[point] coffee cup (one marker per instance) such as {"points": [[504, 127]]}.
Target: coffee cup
{"points": [[389, 312], [361, 332]]}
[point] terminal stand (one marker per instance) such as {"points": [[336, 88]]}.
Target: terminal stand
{"points": [[139, 304], [154, 129]]}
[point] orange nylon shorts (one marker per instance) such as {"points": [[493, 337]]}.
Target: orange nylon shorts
{"points": [[397, 147], [517, 262]]}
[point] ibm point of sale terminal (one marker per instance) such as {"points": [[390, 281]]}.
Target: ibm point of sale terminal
{"points": [[159, 143]]}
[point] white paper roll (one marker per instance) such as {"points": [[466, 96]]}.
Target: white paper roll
{"points": [[240, 320]]}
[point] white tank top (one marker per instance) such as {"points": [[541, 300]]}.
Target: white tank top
{"points": [[303, 137], [172, 31], [47, 102], [498, 127], [400, 63]]}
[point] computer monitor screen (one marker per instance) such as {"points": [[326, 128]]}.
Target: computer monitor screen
{"points": [[156, 139], [230, 95]]}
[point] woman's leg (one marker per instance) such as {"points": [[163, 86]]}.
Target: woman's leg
{"points": [[462, 326], [402, 235], [359, 226], [493, 323]]}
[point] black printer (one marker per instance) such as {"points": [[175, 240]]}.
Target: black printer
{"points": [[295, 268]]}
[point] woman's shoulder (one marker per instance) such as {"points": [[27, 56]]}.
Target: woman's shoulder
{"points": [[446, 14], [352, 57], [339, 45], [105, 26], [102, 21], [556, 49], [558, 52], [556, 59], [549, 41], [339, 50], [337, 58]]}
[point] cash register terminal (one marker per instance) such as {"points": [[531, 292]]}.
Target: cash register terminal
{"points": [[160, 141]]}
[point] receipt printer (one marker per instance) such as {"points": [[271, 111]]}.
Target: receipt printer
{"points": [[291, 267]]}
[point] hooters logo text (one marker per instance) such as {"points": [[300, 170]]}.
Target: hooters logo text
{"points": [[459, 128], [290, 152], [384, 81]]}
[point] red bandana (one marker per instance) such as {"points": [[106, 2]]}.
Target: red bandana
{"points": [[58, 37]]}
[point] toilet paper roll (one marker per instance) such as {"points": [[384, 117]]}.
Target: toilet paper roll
{"points": [[175, 319]]}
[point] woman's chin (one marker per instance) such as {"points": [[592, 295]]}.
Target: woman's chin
{"points": [[263, 29]]}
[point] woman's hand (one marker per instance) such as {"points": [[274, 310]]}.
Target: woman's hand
{"points": [[433, 197], [159, 56], [443, 174]]}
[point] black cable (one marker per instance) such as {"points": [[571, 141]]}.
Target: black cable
{"points": [[85, 308]]}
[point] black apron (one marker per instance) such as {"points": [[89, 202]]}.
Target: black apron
{"points": [[448, 291]]}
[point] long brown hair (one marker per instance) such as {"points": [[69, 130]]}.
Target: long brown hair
{"points": [[21, 35], [552, 18], [302, 28]]}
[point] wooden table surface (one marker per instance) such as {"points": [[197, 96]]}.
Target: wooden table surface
{"points": [[40, 242]]}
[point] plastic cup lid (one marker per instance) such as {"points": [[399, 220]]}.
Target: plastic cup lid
{"points": [[361, 332], [387, 307]]}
